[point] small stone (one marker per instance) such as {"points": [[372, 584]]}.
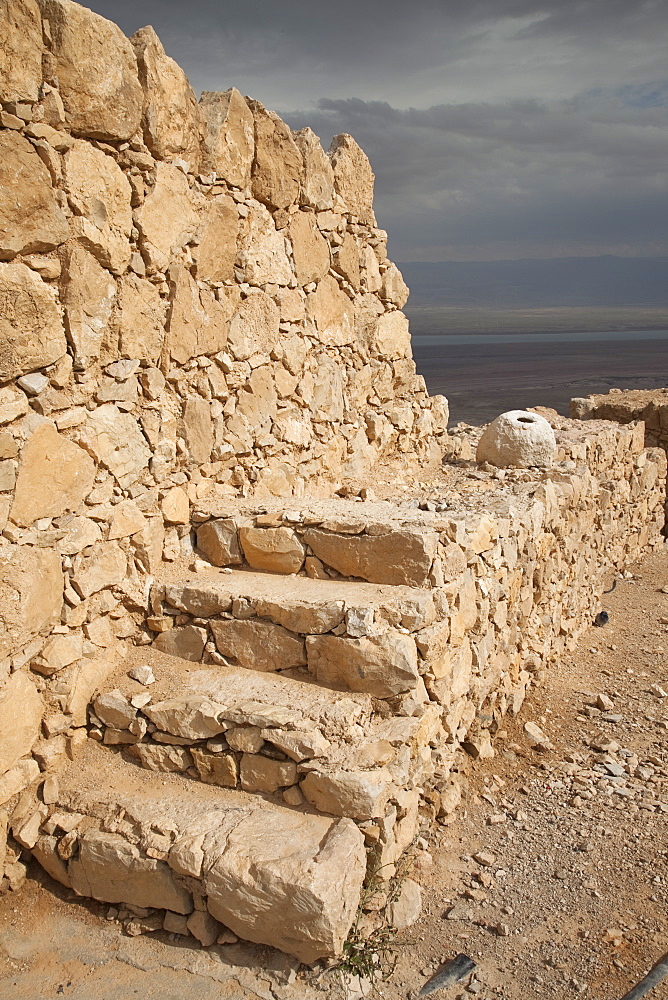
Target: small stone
{"points": [[484, 858], [605, 703], [536, 736], [503, 930], [142, 674], [33, 384]]}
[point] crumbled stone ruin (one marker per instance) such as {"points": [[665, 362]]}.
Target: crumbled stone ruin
{"points": [[231, 683]]}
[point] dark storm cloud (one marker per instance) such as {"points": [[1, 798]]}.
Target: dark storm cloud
{"points": [[495, 127]]}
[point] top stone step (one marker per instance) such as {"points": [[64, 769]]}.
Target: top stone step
{"points": [[375, 541]]}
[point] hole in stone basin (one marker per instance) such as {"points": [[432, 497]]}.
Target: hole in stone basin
{"points": [[525, 420]]}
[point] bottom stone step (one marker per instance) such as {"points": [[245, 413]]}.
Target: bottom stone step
{"points": [[269, 874]]}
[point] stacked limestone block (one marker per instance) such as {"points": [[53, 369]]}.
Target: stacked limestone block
{"points": [[195, 303]]}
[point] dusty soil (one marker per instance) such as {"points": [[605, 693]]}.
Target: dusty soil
{"points": [[569, 896]]}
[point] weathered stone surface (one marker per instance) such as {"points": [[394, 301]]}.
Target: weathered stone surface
{"points": [[81, 532], [194, 718], [31, 220], [162, 758], [54, 476], [88, 294], [407, 907], [317, 186], [113, 438], [300, 616], [391, 337], [259, 645], [103, 568], [45, 853], [31, 594], [517, 438], [82, 679], [198, 323], [263, 250], [96, 70], [346, 261], [168, 219], [175, 506], [278, 165], [299, 744], [15, 780], [310, 250], [278, 550], [332, 312], [254, 329], [298, 894], [98, 189], [57, 653], [141, 319], [127, 520], [216, 252], [383, 665], [113, 709], [170, 118], [13, 404], [203, 927], [198, 429], [111, 869], [21, 709], [219, 542], [260, 774], [353, 177], [394, 288], [31, 330], [216, 769], [228, 142], [358, 794], [21, 60], [188, 642], [398, 557]]}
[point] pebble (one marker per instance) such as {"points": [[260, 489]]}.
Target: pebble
{"points": [[485, 858], [142, 674]]}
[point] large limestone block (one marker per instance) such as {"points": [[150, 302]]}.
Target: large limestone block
{"points": [[31, 220], [346, 261], [398, 557], [277, 550], [261, 774], [198, 429], [82, 680], [141, 319], [198, 323], [353, 177], [381, 665], [98, 188], [31, 595], [517, 438], [110, 869], [228, 142], [217, 250], [88, 294], [302, 616], [114, 439], [391, 337], [292, 881], [31, 330], [193, 718], [168, 218], [21, 53], [254, 328], [263, 251], [332, 312], [170, 120], [187, 643], [359, 795], [317, 187], [278, 165], [104, 567], [393, 287], [310, 250], [55, 475], [219, 542], [97, 72], [21, 709], [259, 645], [109, 246]]}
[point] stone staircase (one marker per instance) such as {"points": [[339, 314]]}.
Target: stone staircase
{"points": [[285, 738]]}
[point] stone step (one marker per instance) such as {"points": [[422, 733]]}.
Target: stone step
{"points": [[380, 541], [356, 636], [205, 855], [304, 745]]}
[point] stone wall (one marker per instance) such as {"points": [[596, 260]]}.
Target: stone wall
{"points": [[196, 303]]}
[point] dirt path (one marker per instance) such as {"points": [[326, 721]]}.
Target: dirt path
{"points": [[568, 897]]}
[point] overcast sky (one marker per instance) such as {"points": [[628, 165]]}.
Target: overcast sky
{"points": [[496, 128]]}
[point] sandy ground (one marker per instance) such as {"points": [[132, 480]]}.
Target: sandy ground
{"points": [[568, 897]]}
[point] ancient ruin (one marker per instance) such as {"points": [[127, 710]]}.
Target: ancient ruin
{"points": [[237, 668]]}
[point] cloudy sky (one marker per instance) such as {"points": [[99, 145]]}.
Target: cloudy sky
{"points": [[498, 129]]}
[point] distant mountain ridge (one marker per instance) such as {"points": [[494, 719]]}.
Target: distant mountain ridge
{"points": [[526, 284]]}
